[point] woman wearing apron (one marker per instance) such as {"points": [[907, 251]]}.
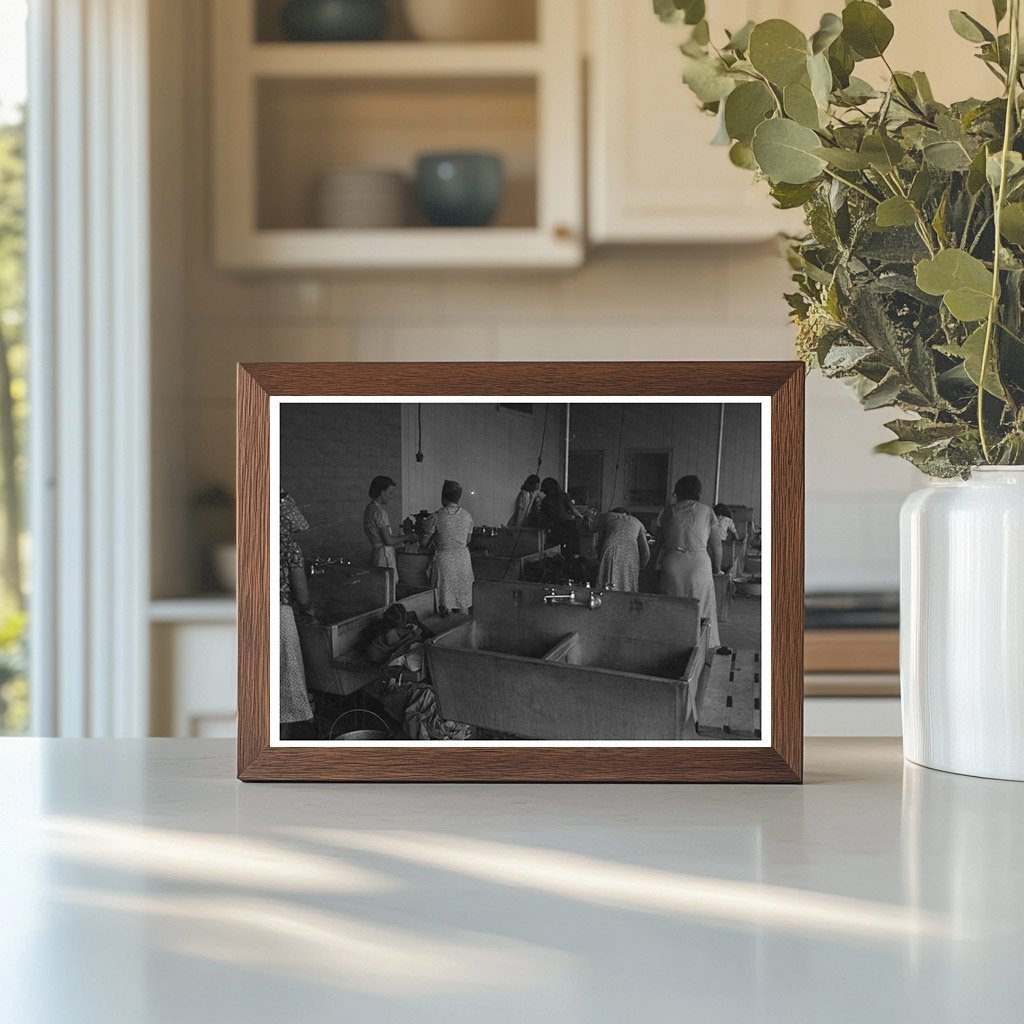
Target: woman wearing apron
{"points": [[691, 551], [377, 525]]}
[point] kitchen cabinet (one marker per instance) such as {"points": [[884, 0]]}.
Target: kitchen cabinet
{"points": [[287, 113], [653, 175], [193, 673]]}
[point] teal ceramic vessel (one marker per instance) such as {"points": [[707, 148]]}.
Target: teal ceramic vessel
{"points": [[333, 21], [461, 190]]}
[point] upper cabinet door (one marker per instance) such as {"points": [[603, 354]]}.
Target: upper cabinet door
{"points": [[654, 175]]}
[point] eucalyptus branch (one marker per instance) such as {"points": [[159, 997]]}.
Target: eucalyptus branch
{"points": [[1000, 198], [771, 89], [853, 185], [923, 227]]}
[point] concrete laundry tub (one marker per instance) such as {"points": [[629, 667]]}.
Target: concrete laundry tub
{"points": [[627, 670]]}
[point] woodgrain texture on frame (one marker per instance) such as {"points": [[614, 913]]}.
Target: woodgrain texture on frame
{"points": [[781, 762]]}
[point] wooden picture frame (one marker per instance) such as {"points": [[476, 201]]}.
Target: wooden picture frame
{"points": [[779, 759]]}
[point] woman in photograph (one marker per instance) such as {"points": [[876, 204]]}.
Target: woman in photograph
{"points": [[558, 517], [525, 500], [377, 525], [726, 527], [397, 642], [622, 541], [451, 527], [296, 709], [690, 549]]}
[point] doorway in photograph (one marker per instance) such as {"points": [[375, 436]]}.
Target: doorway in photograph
{"points": [[578, 572]]}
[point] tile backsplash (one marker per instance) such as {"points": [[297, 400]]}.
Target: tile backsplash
{"points": [[708, 303]]}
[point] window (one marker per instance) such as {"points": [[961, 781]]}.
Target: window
{"points": [[648, 477], [14, 705]]}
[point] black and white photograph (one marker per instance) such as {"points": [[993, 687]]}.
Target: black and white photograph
{"points": [[520, 572]]}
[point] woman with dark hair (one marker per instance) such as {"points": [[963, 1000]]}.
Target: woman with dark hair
{"points": [[691, 551], [451, 526], [377, 525], [525, 500], [558, 517], [294, 698], [622, 541], [726, 527]]}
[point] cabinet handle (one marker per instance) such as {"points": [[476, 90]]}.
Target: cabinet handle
{"points": [[563, 232]]}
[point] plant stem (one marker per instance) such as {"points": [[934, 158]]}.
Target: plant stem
{"points": [[922, 225], [855, 187], [993, 309]]}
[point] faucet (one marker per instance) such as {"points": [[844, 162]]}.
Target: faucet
{"points": [[590, 599]]}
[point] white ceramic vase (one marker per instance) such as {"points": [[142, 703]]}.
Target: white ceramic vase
{"points": [[962, 624]]}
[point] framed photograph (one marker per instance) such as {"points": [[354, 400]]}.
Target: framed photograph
{"points": [[520, 572]]}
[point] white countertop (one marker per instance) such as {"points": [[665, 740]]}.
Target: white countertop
{"points": [[143, 885]]}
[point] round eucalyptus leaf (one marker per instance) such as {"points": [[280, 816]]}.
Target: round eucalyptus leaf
{"points": [[963, 281], [841, 61], [829, 30], [947, 156], [789, 197], [866, 29], [746, 107], [743, 156], [779, 51], [968, 28], [739, 41], [800, 105], [859, 91], [972, 353], [708, 81], [895, 212], [844, 159], [820, 76], [1012, 224], [785, 152], [883, 153]]}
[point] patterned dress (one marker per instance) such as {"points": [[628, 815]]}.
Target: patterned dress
{"points": [[623, 539], [295, 705], [452, 568], [377, 527], [685, 563]]}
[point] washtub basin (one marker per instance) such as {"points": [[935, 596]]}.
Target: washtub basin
{"points": [[628, 670]]}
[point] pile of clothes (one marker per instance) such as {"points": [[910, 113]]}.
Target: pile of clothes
{"points": [[396, 643]]}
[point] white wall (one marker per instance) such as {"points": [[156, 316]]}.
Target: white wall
{"points": [[489, 451], [641, 304]]}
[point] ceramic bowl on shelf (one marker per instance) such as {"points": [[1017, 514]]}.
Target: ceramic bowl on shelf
{"points": [[460, 189], [334, 21], [361, 198], [471, 20]]}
